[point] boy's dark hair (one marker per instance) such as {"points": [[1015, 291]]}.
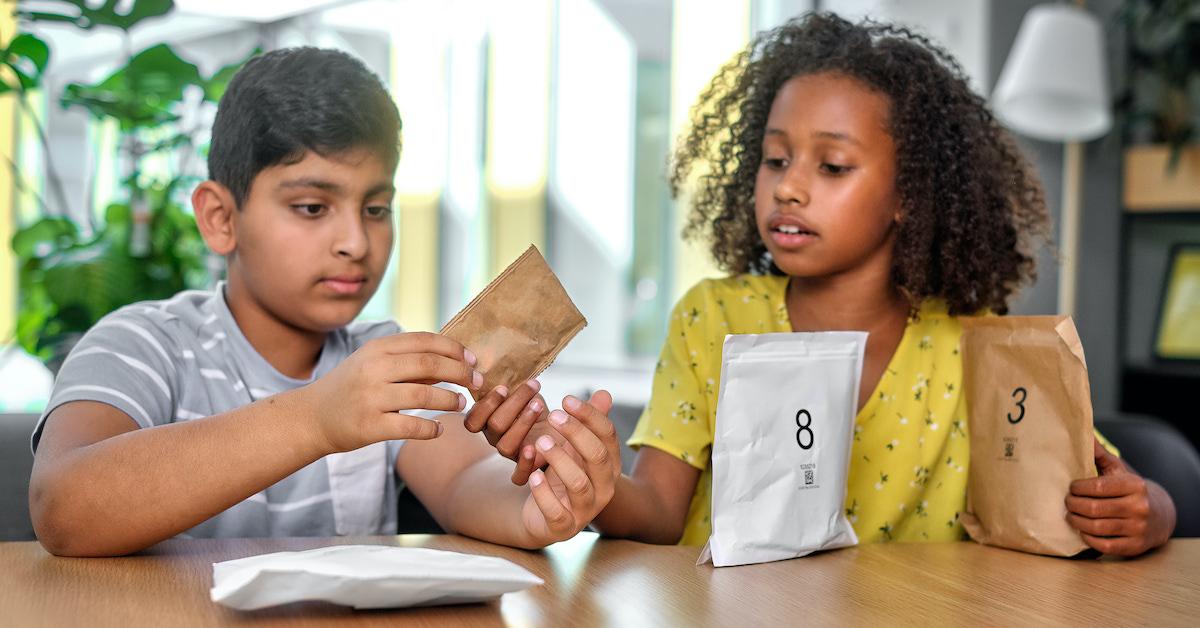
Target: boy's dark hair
{"points": [[287, 102], [972, 208]]}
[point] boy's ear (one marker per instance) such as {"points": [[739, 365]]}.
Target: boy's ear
{"points": [[214, 207]]}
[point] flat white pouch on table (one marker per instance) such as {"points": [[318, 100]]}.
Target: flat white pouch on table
{"points": [[781, 451], [366, 576]]}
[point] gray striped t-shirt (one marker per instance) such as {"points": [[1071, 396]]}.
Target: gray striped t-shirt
{"points": [[185, 358]]}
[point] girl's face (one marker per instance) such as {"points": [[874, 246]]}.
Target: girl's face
{"points": [[825, 196]]}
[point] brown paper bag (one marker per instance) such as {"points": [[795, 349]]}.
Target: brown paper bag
{"points": [[1030, 420], [518, 324]]}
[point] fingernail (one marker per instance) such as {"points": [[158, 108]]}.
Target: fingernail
{"points": [[528, 453], [534, 384], [470, 357], [544, 443], [536, 478], [558, 417], [535, 405], [440, 428], [572, 402], [502, 390], [462, 401], [476, 379]]}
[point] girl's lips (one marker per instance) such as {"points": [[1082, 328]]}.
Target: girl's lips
{"points": [[792, 241]]}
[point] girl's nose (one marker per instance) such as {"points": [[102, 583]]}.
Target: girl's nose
{"points": [[792, 188]]}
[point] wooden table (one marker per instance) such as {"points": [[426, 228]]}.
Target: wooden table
{"points": [[604, 582]]}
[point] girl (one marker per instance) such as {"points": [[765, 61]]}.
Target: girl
{"points": [[849, 179]]}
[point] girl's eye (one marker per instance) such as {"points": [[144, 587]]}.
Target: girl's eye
{"points": [[310, 210], [835, 169], [774, 163], [377, 211]]}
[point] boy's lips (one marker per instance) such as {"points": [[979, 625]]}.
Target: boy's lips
{"points": [[345, 284]]}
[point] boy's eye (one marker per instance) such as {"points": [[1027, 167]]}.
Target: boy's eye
{"points": [[835, 168], [377, 211], [775, 163], [311, 210]]}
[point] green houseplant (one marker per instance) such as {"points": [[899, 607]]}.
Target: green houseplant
{"points": [[73, 270], [1160, 107], [1162, 101]]}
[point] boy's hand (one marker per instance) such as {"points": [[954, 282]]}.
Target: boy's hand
{"points": [[512, 422], [362, 400], [579, 484], [1119, 512]]}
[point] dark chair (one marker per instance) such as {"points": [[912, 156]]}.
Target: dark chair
{"points": [[412, 517], [16, 463], [1161, 453], [625, 418]]}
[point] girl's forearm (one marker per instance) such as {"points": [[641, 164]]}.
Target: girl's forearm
{"points": [[636, 512]]}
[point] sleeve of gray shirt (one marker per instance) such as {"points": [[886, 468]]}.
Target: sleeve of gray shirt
{"points": [[126, 361]]}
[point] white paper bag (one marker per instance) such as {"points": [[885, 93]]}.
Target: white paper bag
{"points": [[781, 452], [366, 576]]}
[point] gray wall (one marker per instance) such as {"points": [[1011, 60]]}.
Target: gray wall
{"points": [[1149, 243], [1099, 302]]}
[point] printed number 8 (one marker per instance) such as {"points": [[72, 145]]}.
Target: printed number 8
{"points": [[805, 427], [1020, 404]]}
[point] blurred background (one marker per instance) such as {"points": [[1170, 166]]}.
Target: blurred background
{"points": [[525, 121]]}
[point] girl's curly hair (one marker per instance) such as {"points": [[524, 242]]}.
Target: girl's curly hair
{"points": [[972, 209]]}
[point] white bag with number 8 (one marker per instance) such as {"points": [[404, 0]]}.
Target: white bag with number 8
{"points": [[781, 452]]}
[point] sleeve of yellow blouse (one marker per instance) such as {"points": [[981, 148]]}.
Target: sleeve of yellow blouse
{"points": [[1112, 449], [676, 420]]}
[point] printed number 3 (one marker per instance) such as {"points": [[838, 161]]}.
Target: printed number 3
{"points": [[1020, 404], [805, 428]]}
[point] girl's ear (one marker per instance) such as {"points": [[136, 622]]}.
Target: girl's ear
{"points": [[214, 207]]}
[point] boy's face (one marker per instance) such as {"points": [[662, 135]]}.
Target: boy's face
{"points": [[313, 238]]}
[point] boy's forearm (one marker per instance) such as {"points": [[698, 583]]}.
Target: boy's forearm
{"points": [[130, 491], [635, 513], [483, 503]]}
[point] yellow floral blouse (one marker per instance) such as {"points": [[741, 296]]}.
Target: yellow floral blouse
{"points": [[908, 469]]}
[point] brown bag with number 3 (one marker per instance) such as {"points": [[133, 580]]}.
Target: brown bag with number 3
{"points": [[1030, 420]]}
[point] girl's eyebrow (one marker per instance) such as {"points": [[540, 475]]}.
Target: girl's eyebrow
{"points": [[838, 136], [827, 135]]}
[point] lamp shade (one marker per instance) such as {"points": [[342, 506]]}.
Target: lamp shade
{"points": [[1053, 85]]}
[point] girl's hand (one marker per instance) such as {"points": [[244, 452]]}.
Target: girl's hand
{"points": [[1120, 512], [512, 421], [579, 482]]}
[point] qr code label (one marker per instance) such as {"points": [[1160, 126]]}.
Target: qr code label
{"points": [[808, 477]]}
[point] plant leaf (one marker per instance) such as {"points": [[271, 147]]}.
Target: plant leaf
{"points": [[79, 13], [45, 236], [215, 86], [142, 93], [27, 56]]}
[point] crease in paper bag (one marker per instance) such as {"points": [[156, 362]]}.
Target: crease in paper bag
{"points": [[536, 300]]}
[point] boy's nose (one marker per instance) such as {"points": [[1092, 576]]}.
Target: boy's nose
{"points": [[351, 241]]}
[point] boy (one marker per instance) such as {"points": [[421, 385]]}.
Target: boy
{"points": [[260, 409]]}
